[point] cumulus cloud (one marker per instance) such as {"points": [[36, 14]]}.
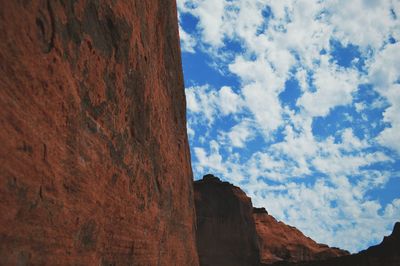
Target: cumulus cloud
{"points": [[211, 15], [368, 28], [207, 103], [385, 75], [318, 179], [334, 87], [211, 160], [240, 134], [188, 42]]}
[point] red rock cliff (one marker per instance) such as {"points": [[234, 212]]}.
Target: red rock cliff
{"points": [[225, 227], [281, 242], [94, 157], [231, 232]]}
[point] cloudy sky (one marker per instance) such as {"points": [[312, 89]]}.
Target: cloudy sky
{"points": [[298, 103]]}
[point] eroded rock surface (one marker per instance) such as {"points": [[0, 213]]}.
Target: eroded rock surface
{"points": [[94, 157], [281, 242], [225, 227]]}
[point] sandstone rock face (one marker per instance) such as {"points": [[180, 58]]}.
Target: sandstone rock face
{"points": [[281, 242], [386, 253], [94, 157], [225, 228]]}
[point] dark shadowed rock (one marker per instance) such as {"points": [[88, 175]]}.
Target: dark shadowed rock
{"points": [[94, 157], [225, 227]]}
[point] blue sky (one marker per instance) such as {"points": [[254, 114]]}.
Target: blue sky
{"points": [[298, 103]]}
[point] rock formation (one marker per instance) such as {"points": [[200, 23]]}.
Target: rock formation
{"points": [[231, 232], [386, 253], [226, 232], [94, 157], [281, 242]]}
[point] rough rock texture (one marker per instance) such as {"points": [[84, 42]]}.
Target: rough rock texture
{"points": [[94, 158], [386, 253], [281, 242], [225, 227]]}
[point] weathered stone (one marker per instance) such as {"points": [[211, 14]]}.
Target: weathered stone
{"points": [[281, 242], [94, 157]]}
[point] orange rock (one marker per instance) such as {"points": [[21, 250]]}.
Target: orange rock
{"points": [[281, 242], [94, 157]]}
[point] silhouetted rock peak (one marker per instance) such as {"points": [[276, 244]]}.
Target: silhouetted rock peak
{"points": [[211, 178], [396, 230], [260, 210], [389, 242]]}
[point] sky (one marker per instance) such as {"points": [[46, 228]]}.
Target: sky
{"points": [[298, 103]]}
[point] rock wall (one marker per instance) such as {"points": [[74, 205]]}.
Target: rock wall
{"points": [[225, 227], [94, 157], [386, 253], [281, 242]]}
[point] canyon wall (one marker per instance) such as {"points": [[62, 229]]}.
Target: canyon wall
{"points": [[94, 157]]}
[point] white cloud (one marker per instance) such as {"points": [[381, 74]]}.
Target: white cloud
{"points": [[384, 67], [365, 23], [240, 134], [211, 161], [265, 106], [318, 183], [302, 78], [261, 86], [188, 42], [229, 101], [211, 15], [384, 73], [360, 107], [338, 164], [390, 137], [350, 142], [190, 131], [207, 103], [334, 87], [259, 70]]}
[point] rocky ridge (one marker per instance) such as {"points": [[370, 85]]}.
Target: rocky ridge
{"points": [[387, 253], [281, 242], [231, 232]]}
